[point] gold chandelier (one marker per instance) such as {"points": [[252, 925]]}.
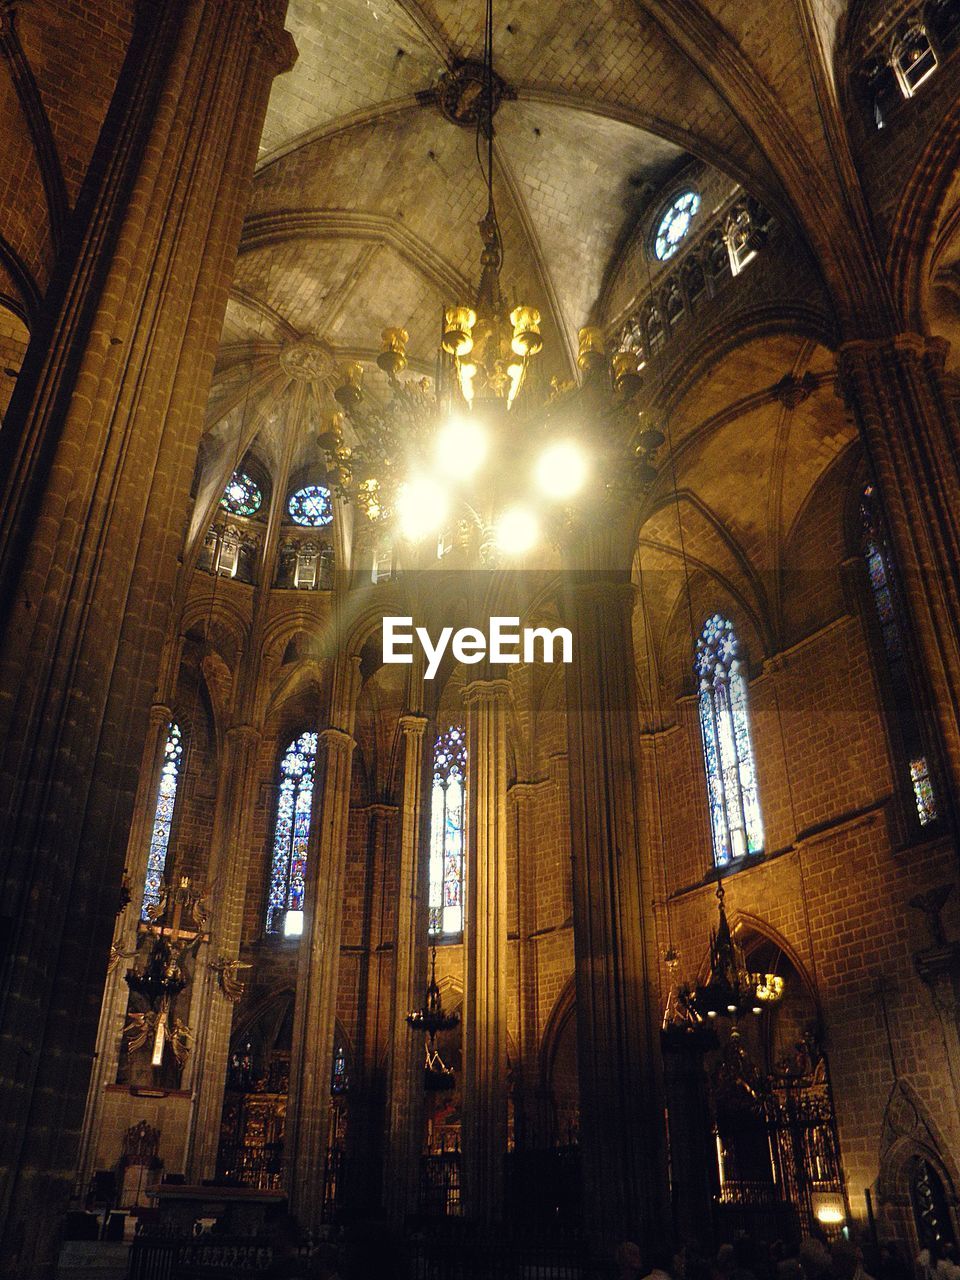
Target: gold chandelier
{"points": [[446, 456], [730, 991]]}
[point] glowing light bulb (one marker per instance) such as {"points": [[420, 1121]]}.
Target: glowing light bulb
{"points": [[562, 469], [462, 446], [517, 531], [422, 507], [830, 1215]]}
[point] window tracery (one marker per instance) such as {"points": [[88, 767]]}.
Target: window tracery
{"points": [[735, 820], [291, 834], [242, 496], [675, 224], [446, 833], [311, 505], [883, 590], [162, 818]]}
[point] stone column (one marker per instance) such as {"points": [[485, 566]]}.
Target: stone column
{"points": [[693, 1156], [367, 1115], [229, 865], [908, 423], [531, 1114], [485, 944], [621, 1084], [405, 1085], [96, 459], [318, 970]]}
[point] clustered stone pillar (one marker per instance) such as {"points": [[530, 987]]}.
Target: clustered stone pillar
{"points": [[315, 1012], [908, 423], [96, 459], [485, 935], [229, 864], [532, 1115], [365, 1128], [405, 1086], [621, 1087]]}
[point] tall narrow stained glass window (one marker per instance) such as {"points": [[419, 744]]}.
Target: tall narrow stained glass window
{"points": [[446, 833], [880, 571], [727, 750], [290, 835], [162, 818]]}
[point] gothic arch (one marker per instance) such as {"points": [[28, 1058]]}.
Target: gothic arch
{"points": [[564, 1008], [909, 1134]]}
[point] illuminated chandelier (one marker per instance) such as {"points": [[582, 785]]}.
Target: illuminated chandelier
{"points": [[731, 990], [419, 459]]}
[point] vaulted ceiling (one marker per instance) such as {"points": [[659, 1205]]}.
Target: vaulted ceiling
{"points": [[366, 200]]}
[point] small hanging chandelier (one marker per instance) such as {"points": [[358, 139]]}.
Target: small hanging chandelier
{"points": [[431, 1019], [731, 989]]}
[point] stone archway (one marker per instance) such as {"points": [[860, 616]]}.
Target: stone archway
{"points": [[914, 1166]]}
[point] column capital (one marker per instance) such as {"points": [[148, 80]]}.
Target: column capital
{"points": [[279, 47], [523, 792], [243, 733], [160, 714], [486, 691], [604, 591], [337, 738], [413, 725], [379, 810], [855, 355]]}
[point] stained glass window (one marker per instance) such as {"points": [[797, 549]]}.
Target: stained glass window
{"points": [[311, 505], [735, 821], [675, 224], [446, 833], [923, 790], [339, 1080], [291, 833], [242, 496], [882, 578], [162, 818]]}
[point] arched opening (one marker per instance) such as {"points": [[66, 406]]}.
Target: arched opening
{"points": [[749, 1100], [253, 1123], [443, 1114], [931, 1207]]}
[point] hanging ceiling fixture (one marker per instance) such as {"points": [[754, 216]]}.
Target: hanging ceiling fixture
{"points": [[448, 454], [731, 990], [431, 1020]]}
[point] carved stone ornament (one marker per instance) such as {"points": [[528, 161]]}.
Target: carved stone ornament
{"points": [[459, 93], [307, 360], [931, 904], [277, 43], [791, 391]]}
